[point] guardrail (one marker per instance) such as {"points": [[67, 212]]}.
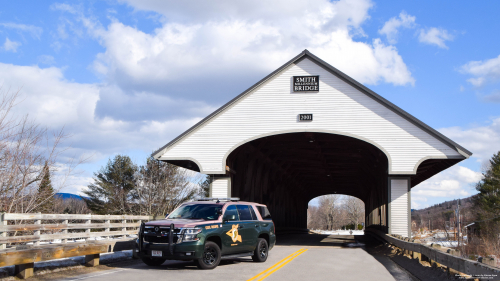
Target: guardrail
{"points": [[438, 258], [29, 238]]}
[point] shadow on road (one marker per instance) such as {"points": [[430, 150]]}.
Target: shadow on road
{"points": [[312, 239]]}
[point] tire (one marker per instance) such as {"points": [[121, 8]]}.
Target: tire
{"points": [[153, 262], [261, 251], [211, 256]]}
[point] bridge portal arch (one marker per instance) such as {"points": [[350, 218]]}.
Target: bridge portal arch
{"points": [[285, 171]]}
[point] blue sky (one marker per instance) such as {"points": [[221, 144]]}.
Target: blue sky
{"points": [[127, 76]]}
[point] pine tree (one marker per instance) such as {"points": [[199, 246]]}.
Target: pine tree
{"points": [[45, 195], [111, 191], [488, 198], [205, 188]]}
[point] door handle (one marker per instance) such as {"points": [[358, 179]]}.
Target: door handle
{"points": [[256, 225], [241, 226]]}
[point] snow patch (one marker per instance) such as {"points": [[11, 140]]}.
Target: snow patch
{"points": [[339, 232]]}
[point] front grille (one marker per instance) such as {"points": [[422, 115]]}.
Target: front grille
{"points": [[162, 239], [160, 236]]}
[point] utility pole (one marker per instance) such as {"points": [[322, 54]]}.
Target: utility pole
{"points": [[457, 213]]}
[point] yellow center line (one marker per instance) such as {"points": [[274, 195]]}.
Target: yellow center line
{"points": [[264, 274]]}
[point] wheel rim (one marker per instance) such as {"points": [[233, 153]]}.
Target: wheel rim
{"points": [[262, 250], [210, 256]]}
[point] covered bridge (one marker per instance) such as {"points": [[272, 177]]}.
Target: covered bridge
{"points": [[306, 130]]}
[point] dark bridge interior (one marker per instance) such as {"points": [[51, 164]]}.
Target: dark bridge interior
{"points": [[286, 171]]}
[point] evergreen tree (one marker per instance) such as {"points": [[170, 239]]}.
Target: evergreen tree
{"points": [[45, 195], [111, 192], [488, 198], [205, 187]]}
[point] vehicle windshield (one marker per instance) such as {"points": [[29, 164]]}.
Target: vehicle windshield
{"points": [[196, 211]]}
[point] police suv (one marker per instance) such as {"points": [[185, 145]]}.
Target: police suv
{"points": [[208, 231]]}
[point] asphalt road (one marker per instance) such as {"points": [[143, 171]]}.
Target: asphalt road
{"points": [[297, 257]]}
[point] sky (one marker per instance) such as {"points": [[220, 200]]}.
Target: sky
{"points": [[127, 76]]}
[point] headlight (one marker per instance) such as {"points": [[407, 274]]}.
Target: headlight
{"points": [[190, 234]]}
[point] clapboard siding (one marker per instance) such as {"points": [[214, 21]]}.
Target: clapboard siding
{"points": [[338, 108], [399, 207], [220, 188]]}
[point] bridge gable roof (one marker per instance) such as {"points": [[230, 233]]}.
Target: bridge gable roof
{"points": [[347, 79]]}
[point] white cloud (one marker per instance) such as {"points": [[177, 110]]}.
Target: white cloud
{"points": [[55, 102], [435, 36], [318, 13], [455, 182], [484, 71], [483, 141], [201, 41], [11, 45], [459, 181], [34, 31], [390, 28]]}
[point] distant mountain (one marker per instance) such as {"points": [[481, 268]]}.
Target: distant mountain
{"points": [[69, 196]]}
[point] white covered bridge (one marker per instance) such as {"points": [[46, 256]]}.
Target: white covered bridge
{"points": [[306, 130]]}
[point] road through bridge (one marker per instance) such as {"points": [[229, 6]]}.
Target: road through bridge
{"points": [[296, 257]]}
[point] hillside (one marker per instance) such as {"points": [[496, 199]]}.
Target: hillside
{"points": [[443, 214]]}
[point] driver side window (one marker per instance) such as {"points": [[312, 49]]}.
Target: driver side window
{"points": [[231, 214]]}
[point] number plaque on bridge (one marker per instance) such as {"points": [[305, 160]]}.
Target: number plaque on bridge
{"points": [[305, 117], [306, 83]]}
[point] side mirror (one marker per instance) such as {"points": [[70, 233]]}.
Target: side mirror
{"points": [[166, 215], [219, 212]]}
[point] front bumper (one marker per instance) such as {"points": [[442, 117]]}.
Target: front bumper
{"points": [[181, 251]]}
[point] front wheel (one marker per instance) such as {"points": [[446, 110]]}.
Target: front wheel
{"points": [[261, 251], [153, 262], [211, 256]]}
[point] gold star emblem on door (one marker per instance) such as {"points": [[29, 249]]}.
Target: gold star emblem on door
{"points": [[233, 233]]}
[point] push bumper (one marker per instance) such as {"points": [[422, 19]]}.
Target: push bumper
{"points": [[182, 251]]}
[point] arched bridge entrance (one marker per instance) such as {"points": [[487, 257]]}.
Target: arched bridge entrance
{"points": [[287, 170], [306, 130]]}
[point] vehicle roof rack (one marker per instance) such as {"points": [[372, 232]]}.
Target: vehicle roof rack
{"points": [[232, 199]]}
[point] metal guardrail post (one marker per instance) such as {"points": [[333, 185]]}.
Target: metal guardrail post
{"points": [[3, 234]]}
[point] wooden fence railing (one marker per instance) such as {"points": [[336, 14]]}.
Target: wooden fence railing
{"points": [[436, 257], [60, 227], [29, 238]]}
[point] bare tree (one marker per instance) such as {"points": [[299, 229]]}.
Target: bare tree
{"points": [[355, 210], [70, 206], [330, 207], [27, 153], [161, 187]]}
